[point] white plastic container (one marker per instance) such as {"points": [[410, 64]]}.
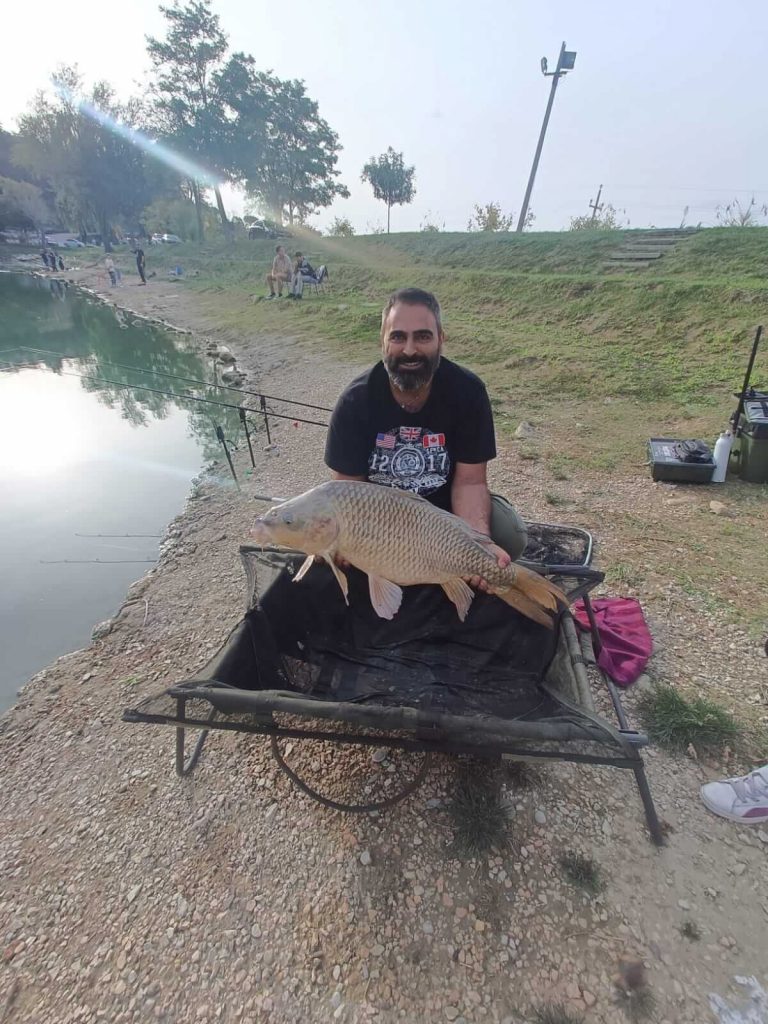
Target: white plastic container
{"points": [[721, 456]]}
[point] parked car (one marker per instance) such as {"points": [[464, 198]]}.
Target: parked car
{"points": [[170, 239], [266, 229], [72, 243]]}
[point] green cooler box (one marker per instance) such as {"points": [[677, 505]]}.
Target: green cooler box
{"points": [[753, 440]]}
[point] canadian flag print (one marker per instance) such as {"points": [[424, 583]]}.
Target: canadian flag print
{"points": [[433, 440]]}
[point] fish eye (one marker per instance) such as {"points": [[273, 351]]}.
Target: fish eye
{"points": [[288, 518]]}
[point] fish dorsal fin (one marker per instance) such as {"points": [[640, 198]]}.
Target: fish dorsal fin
{"points": [[385, 596], [461, 595]]}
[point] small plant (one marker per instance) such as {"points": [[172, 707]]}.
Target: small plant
{"points": [[626, 574], [690, 930], [529, 453], [558, 470], [583, 872], [556, 1013], [554, 499], [632, 992], [519, 773], [676, 723], [478, 815]]}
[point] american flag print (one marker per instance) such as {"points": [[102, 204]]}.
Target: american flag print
{"points": [[410, 433], [433, 440], [385, 440]]}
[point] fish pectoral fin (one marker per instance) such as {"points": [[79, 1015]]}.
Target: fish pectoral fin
{"points": [[341, 578], [305, 567], [385, 596], [457, 591]]}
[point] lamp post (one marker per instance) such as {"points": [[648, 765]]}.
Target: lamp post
{"points": [[565, 63]]}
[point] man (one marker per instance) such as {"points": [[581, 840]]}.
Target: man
{"points": [[303, 273], [421, 423], [109, 266], [141, 265], [281, 272]]}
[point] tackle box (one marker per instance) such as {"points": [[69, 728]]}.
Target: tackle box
{"points": [[667, 465]]}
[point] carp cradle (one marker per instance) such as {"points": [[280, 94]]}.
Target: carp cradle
{"points": [[302, 665]]}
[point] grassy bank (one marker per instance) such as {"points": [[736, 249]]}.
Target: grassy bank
{"points": [[596, 358]]}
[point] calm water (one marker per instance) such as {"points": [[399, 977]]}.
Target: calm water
{"points": [[77, 458]]}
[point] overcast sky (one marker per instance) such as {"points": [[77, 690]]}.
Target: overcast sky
{"points": [[666, 106]]}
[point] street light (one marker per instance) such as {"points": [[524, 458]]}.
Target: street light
{"points": [[565, 63]]}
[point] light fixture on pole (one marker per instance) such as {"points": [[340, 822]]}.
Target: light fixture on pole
{"points": [[565, 63]]}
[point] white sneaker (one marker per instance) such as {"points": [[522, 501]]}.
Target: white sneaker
{"points": [[744, 799]]}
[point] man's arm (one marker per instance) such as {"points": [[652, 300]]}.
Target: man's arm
{"points": [[471, 499]]}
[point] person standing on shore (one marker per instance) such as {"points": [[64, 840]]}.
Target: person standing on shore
{"points": [[109, 265], [141, 265]]}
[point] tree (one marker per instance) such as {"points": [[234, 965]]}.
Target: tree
{"points": [[23, 205], [390, 179], [491, 218], [341, 227], [76, 142], [189, 106], [606, 220], [734, 215], [284, 150]]}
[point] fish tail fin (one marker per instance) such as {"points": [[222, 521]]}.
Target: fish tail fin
{"points": [[533, 595]]}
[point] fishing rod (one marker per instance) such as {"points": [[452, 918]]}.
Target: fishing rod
{"points": [[96, 561], [188, 380], [118, 534]]}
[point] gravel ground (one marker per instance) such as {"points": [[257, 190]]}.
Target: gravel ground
{"points": [[131, 896]]}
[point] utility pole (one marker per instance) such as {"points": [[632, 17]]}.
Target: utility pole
{"points": [[565, 63], [596, 207]]}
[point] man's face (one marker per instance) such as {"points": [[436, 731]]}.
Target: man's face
{"points": [[280, 251], [411, 345]]}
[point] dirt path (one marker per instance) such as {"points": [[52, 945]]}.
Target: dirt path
{"points": [[131, 896]]}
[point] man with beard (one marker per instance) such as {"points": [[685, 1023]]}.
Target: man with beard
{"points": [[422, 423]]}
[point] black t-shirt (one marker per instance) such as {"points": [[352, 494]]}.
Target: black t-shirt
{"points": [[371, 436]]}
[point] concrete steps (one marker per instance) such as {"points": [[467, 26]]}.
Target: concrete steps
{"points": [[640, 250]]}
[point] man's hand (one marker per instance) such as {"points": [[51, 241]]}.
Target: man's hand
{"points": [[501, 557]]}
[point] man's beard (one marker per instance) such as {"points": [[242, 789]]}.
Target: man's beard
{"points": [[411, 380]]}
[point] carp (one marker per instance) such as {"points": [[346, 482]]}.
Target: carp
{"points": [[399, 539]]}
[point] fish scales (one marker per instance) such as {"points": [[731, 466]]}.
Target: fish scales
{"points": [[400, 539]]}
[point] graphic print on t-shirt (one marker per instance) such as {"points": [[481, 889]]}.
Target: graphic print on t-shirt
{"points": [[411, 458]]}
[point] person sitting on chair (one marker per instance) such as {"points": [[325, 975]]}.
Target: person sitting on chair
{"points": [[303, 273], [422, 423], [281, 272]]}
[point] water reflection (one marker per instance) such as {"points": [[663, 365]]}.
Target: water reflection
{"points": [[82, 460], [94, 340]]}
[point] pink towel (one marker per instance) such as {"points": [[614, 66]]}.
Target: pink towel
{"points": [[625, 642]]}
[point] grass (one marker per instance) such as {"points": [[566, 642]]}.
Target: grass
{"points": [[582, 872], [477, 813], [690, 930], [620, 572], [638, 1004], [599, 360], [676, 723]]}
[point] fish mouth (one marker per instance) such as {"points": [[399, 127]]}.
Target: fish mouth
{"points": [[260, 533]]}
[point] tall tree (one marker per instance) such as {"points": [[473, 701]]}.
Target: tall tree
{"points": [[286, 152], [390, 179], [75, 141], [23, 205], [189, 109]]}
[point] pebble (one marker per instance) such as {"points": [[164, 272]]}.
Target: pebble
{"points": [[365, 858], [380, 754], [539, 817], [451, 1013], [377, 950]]}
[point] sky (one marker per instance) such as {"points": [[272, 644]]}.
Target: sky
{"points": [[666, 106]]}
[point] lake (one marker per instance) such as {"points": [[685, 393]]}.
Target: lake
{"points": [[84, 463]]}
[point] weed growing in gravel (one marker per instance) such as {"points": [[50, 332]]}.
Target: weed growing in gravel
{"points": [[478, 815], [557, 467], [638, 1004], [554, 499], [582, 872], [519, 773], [556, 1013], [690, 930], [675, 723], [529, 453], [626, 574]]}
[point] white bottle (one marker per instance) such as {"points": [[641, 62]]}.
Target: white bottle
{"points": [[722, 455]]}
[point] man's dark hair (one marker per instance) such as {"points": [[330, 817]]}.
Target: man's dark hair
{"points": [[413, 297], [278, 248], [298, 254]]}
